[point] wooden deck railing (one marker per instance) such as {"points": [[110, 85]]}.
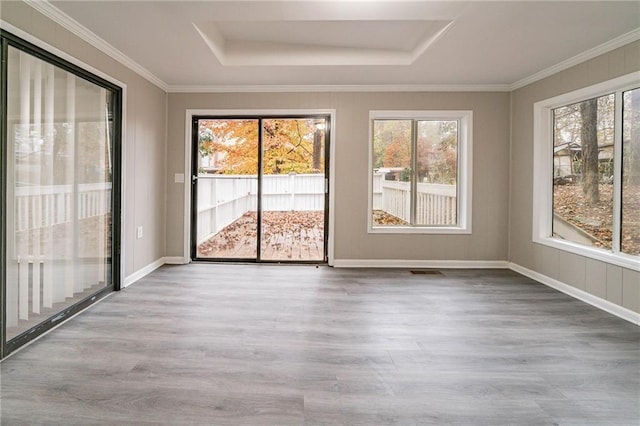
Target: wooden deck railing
{"points": [[47, 264], [41, 206]]}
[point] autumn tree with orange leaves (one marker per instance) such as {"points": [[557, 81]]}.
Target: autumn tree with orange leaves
{"points": [[288, 145]]}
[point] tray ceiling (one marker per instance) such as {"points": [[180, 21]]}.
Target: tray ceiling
{"points": [[330, 42]]}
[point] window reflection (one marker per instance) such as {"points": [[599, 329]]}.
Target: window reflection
{"points": [[59, 129]]}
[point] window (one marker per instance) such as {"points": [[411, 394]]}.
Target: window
{"points": [[587, 172], [420, 172]]}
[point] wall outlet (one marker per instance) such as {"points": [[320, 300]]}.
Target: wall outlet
{"points": [[139, 232]]}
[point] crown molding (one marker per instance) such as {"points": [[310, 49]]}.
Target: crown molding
{"points": [[61, 18], [53, 13], [617, 42], [342, 88]]}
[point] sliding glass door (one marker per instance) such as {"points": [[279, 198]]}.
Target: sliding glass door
{"points": [[60, 130], [260, 188]]}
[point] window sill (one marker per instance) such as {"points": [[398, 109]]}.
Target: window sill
{"points": [[618, 259]]}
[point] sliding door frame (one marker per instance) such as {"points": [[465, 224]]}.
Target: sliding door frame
{"points": [[8, 39], [191, 168]]}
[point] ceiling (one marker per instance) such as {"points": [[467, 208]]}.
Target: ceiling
{"points": [[218, 45]]}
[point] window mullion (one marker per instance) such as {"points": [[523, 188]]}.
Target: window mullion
{"points": [[414, 167], [551, 133], [460, 170], [617, 172]]}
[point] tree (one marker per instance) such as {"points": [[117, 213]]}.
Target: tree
{"points": [[589, 142], [437, 151], [288, 145], [235, 141], [631, 138], [318, 137], [386, 132], [398, 153]]}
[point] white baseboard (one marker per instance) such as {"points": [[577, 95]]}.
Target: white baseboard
{"points": [[443, 264], [589, 298], [175, 260], [582, 295], [140, 273]]}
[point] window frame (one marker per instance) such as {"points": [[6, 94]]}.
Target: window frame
{"points": [[543, 171], [464, 170]]}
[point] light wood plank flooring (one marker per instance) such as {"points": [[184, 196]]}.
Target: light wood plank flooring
{"points": [[205, 344]]}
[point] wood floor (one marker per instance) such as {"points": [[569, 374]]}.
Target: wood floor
{"points": [[205, 344]]}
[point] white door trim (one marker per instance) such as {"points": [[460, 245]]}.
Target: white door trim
{"points": [[190, 113]]}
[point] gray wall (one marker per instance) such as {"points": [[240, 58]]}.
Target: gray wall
{"points": [[490, 172], [618, 285], [144, 140]]}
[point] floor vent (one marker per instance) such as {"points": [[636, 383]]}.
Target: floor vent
{"points": [[426, 272]]}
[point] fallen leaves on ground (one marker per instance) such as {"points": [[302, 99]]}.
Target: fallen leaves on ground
{"points": [[277, 227], [597, 219], [382, 218]]}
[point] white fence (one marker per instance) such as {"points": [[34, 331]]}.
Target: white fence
{"points": [[222, 199], [435, 204]]}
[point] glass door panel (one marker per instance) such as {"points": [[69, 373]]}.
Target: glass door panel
{"points": [[226, 188], [293, 189], [59, 189]]}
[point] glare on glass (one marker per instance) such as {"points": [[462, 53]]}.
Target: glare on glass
{"points": [[59, 182]]}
